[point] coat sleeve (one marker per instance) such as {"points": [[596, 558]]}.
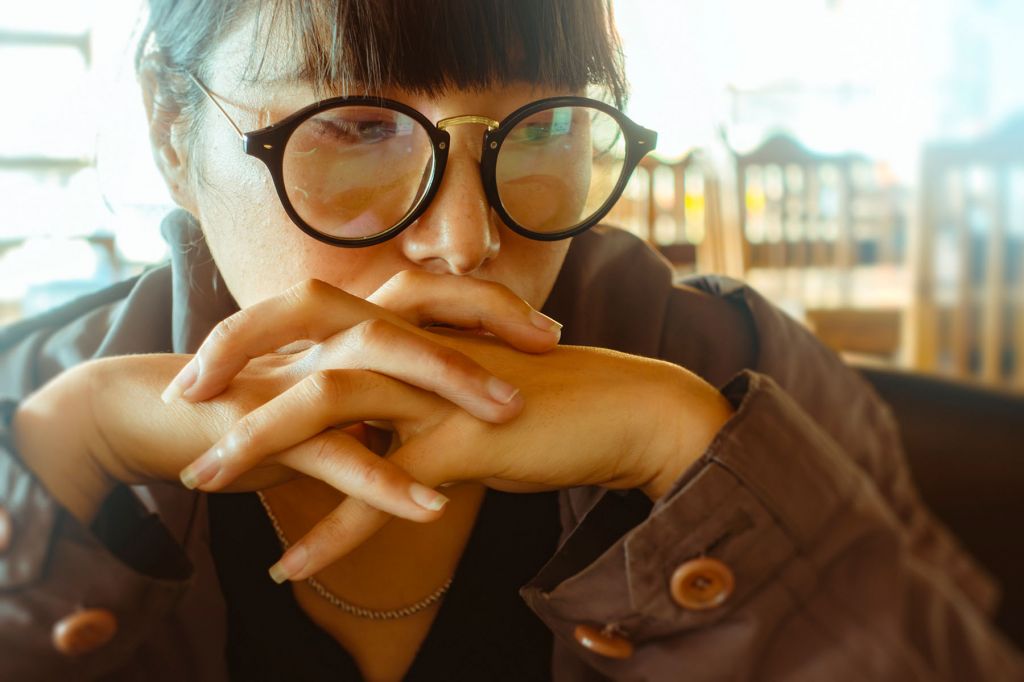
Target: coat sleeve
{"points": [[824, 563], [63, 583], [825, 582], [126, 569]]}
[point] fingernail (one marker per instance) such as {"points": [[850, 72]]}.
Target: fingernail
{"points": [[500, 391], [427, 498], [543, 322], [182, 382], [293, 561], [202, 471]]}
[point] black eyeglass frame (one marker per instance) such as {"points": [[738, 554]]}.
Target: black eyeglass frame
{"points": [[268, 145]]}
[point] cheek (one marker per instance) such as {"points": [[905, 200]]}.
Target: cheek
{"points": [[259, 250], [528, 267], [244, 224]]}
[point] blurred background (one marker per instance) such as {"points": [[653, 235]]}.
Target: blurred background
{"points": [[859, 161]]}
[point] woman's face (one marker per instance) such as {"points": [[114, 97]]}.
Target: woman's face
{"points": [[260, 252]]}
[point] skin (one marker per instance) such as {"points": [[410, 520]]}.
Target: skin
{"points": [[261, 254], [508, 410]]}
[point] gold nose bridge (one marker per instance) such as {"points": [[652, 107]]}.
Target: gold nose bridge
{"points": [[446, 123]]}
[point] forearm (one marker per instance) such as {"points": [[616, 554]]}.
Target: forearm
{"points": [[693, 412], [54, 439]]}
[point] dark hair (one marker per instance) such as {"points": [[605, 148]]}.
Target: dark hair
{"points": [[417, 45]]}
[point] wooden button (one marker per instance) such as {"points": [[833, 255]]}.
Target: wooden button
{"points": [[84, 631], [701, 584], [6, 530], [603, 643]]}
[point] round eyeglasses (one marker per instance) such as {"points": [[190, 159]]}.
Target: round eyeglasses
{"points": [[356, 171]]}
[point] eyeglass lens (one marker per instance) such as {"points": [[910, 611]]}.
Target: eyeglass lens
{"points": [[557, 167], [356, 171]]}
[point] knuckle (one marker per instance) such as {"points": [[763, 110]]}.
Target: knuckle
{"points": [[242, 437], [327, 385], [309, 298], [372, 475], [374, 331], [227, 329], [325, 457], [451, 363], [312, 289]]}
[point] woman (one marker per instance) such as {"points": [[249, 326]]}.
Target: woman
{"points": [[350, 333]]}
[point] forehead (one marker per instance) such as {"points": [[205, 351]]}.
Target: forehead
{"points": [[254, 51]]}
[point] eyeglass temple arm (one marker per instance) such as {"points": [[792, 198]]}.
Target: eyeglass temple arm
{"points": [[213, 99]]}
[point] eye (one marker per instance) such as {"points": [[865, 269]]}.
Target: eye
{"points": [[533, 131], [544, 126], [375, 131], [359, 126], [355, 131]]}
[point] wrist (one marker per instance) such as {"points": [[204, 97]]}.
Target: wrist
{"points": [[692, 414], [54, 438]]}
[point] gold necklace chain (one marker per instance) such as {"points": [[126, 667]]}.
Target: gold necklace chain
{"points": [[348, 607]]}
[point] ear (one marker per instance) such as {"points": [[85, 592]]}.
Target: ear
{"points": [[166, 133]]}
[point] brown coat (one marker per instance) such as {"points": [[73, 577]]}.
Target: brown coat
{"points": [[839, 572]]}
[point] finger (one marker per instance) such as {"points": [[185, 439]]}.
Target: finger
{"points": [[345, 528], [312, 310], [419, 360], [424, 298], [355, 520], [342, 462], [322, 400]]}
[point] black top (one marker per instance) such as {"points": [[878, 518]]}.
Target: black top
{"points": [[483, 631]]}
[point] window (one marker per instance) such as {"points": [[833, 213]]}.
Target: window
{"points": [[80, 196]]}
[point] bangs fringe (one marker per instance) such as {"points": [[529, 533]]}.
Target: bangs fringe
{"points": [[431, 47]]}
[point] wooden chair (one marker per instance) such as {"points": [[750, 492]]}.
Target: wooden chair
{"points": [[675, 206], [968, 320], [823, 236]]}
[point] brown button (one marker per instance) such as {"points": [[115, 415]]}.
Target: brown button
{"points": [[604, 643], [6, 530], [701, 584], [84, 631]]}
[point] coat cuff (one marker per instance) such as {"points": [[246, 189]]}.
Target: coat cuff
{"points": [[767, 488], [53, 567]]}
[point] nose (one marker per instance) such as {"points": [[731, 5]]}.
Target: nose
{"points": [[457, 234]]}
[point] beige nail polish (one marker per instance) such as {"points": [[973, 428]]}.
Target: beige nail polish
{"points": [[500, 391], [293, 561], [543, 322], [201, 471], [182, 382], [427, 498]]}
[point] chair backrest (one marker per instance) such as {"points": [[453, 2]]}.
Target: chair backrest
{"points": [[794, 205], [676, 207], [800, 208], [807, 222], [969, 258]]}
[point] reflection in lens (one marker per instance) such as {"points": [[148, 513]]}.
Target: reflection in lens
{"points": [[356, 171], [557, 167]]}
